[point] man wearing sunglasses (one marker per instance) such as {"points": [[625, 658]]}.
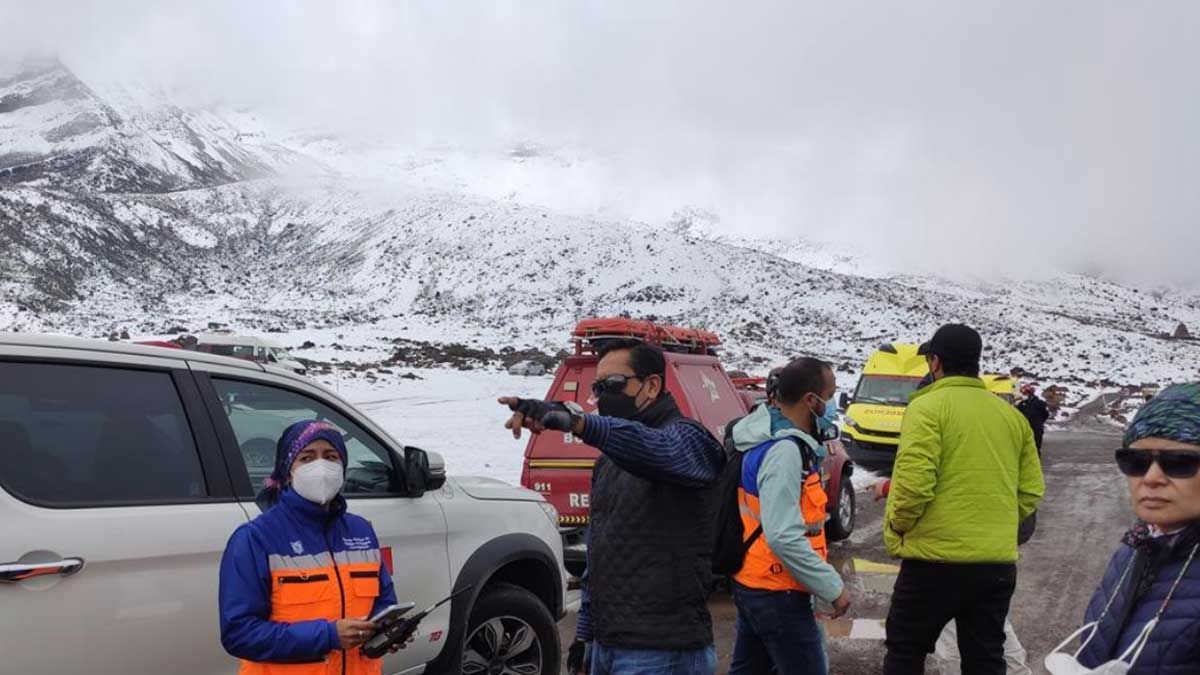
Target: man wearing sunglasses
{"points": [[645, 597], [966, 473]]}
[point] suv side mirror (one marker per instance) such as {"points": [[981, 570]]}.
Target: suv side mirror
{"points": [[422, 472], [437, 471], [844, 401], [832, 433]]}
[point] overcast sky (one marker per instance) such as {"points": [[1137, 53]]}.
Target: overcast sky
{"points": [[957, 135]]}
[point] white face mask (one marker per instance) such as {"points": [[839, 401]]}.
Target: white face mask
{"points": [[319, 481], [1061, 663]]}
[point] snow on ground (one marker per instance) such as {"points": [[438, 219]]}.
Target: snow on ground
{"points": [[453, 413], [864, 479]]}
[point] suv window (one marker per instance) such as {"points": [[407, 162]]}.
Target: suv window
{"points": [[259, 413], [85, 435]]}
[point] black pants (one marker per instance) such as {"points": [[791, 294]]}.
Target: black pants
{"points": [[930, 595]]}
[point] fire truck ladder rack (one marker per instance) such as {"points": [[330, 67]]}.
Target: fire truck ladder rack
{"points": [[591, 334], [750, 383]]}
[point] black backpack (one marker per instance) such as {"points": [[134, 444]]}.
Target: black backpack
{"points": [[730, 543], [729, 536]]}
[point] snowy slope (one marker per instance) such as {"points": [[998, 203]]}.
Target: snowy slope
{"points": [[439, 266], [179, 218], [453, 413]]}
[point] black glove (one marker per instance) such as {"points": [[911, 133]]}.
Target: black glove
{"points": [[550, 414], [576, 658]]}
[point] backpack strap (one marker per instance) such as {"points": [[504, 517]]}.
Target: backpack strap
{"points": [[750, 541], [730, 445]]}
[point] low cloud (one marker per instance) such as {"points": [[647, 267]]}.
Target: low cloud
{"points": [[964, 137]]}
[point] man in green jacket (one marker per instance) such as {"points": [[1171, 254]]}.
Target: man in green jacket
{"points": [[966, 474]]}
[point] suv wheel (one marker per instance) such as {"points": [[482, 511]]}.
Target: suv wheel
{"points": [[510, 633], [841, 521]]}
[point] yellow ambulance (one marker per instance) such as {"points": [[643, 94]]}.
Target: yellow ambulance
{"points": [[872, 415], [871, 421]]}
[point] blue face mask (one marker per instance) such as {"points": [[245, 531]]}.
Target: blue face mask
{"points": [[828, 419], [779, 423], [831, 412]]}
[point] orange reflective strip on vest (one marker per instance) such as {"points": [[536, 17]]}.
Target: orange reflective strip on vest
{"points": [[762, 569]]}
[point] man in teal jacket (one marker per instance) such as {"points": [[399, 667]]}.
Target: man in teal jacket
{"points": [[966, 473]]}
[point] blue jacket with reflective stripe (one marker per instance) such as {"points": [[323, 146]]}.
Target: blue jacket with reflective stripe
{"points": [[294, 534]]}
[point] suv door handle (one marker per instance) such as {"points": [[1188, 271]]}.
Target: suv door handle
{"points": [[13, 572]]}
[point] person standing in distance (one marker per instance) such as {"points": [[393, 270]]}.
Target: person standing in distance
{"points": [[1035, 410]]}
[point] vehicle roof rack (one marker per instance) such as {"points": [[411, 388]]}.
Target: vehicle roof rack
{"points": [[590, 335], [749, 383]]}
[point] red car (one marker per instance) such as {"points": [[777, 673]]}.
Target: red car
{"points": [[560, 466]]}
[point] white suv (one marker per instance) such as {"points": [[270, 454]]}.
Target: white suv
{"points": [[124, 469]]}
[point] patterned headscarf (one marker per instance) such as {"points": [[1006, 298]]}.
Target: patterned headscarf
{"points": [[294, 439], [1174, 415]]}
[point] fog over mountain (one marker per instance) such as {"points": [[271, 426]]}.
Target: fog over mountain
{"points": [[983, 138]]}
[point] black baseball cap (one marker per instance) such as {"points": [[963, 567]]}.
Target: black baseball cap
{"points": [[955, 342]]}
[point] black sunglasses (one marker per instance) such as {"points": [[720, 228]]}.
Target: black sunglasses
{"points": [[1174, 463], [612, 384]]}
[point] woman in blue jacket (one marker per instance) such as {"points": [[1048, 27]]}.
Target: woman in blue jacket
{"points": [[299, 581], [1146, 611]]}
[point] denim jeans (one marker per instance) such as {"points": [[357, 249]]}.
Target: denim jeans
{"points": [[618, 661], [776, 632]]}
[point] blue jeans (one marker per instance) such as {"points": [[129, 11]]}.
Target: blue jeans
{"points": [[618, 661], [776, 632]]}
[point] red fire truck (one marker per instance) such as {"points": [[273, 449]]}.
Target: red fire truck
{"points": [[560, 466]]}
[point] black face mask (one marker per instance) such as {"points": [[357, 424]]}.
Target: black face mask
{"points": [[618, 404]]}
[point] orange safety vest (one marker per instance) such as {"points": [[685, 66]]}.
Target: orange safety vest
{"points": [[761, 568], [322, 586]]}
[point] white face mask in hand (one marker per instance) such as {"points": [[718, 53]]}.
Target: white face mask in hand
{"points": [[319, 481]]}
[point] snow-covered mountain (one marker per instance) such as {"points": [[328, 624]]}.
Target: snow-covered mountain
{"points": [[145, 217], [58, 131]]}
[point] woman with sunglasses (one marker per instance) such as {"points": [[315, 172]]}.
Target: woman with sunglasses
{"points": [[1147, 609]]}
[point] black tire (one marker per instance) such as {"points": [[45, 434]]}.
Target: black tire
{"points": [[576, 568], [510, 626], [841, 519]]}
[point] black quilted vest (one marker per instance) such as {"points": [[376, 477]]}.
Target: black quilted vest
{"points": [[649, 554]]}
